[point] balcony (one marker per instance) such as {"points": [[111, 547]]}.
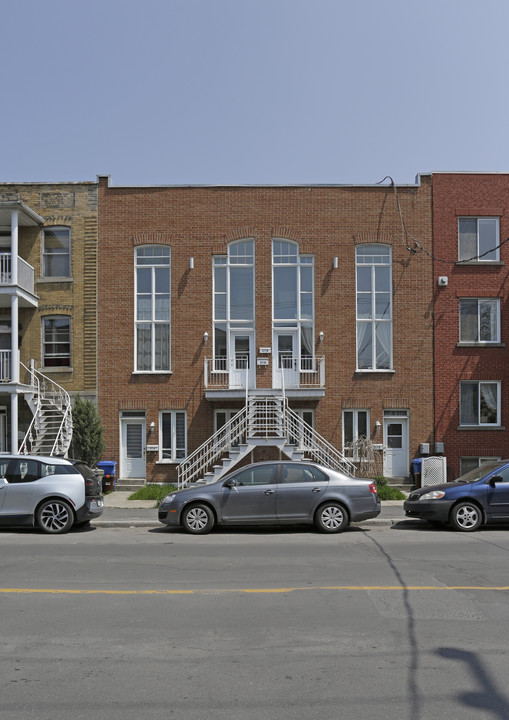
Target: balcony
{"points": [[5, 366], [25, 286], [226, 378]]}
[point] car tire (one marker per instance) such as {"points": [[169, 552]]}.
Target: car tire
{"points": [[331, 518], [55, 517], [466, 517], [198, 519]]}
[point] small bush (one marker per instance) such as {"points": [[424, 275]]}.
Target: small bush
{"points": [[386, 492], [152, 492]]}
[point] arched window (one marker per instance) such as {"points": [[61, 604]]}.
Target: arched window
{"points": [[152, 337], [374, 307]]}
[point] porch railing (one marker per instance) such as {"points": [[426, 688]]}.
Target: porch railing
{"points": [[25, 272], [304, 372], [5, 365]]}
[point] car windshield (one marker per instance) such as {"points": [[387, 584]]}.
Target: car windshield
{"points": [[480, 472]]}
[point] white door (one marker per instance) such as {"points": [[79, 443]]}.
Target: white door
{"points": [[241, 360], [286, 359], [133, 448], [395, 447]]}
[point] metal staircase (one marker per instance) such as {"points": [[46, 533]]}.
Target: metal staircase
{"points": [[50, 431], [265, 420]]}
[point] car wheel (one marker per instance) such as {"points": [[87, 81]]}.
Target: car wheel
{"points": [[198, 519], [55, 516], [331, 518], [466, 516]]}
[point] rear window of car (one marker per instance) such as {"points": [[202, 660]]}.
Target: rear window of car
{"points": [[84, 470], [49, 469]]}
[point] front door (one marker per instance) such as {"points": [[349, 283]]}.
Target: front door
{"points": [[286, 359], [133, 448], [395, 447], [241, 361]]}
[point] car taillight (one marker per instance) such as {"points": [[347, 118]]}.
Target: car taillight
{"points": [[372, 488]]}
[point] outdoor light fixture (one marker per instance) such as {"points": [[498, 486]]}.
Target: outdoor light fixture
{"points": [[152, 426], [335, 263], [191, 263], [378, 424], [205, 337], [321, 336]]}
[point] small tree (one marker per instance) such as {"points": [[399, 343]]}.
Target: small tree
{"points": [[87, 434]]}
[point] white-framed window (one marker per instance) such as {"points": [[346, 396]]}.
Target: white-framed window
{"points": [[56, 341], [374, 307], [472, 463], [293, 305], [479, 403], [233, 306], [153, 308], [172, 435], [355, 426], [478, 239], [480, 320], [56, 252]]}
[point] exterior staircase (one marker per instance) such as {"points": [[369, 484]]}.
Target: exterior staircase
{"points": [[265, 420], [50, 432]]}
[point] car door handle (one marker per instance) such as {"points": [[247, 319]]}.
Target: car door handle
{"points": [[317, 489], [268, 492]]}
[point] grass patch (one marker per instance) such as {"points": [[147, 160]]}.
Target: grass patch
{"points": [[153, 491], [386, 492]]}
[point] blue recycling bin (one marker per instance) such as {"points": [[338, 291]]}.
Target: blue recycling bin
{"points": [[110, 474], [416, 470]]}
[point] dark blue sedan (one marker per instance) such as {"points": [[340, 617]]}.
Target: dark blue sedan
{"points": [[479, 497]]}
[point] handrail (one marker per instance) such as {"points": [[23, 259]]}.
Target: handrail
{"points": [[57, 396], [203, 457]]}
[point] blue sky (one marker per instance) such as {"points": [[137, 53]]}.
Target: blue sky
{"points": [[252, 91]]}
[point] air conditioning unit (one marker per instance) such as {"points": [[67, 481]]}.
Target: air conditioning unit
{"points": [[434, 471]]}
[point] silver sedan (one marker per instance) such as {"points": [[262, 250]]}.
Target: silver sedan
{"points": [[273, 493]]}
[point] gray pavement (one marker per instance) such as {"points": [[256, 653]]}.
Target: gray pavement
{"points": [[121, 512]]}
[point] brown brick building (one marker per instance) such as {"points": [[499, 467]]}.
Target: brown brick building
{"points": [[315, 291], [48, 267], [470, 229]]}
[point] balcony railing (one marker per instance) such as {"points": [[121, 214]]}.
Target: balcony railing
{"points": [[5, 365], [25, 272], [304, 372]]}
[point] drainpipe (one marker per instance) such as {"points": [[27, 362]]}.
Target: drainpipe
{"points": [[14, 331]]}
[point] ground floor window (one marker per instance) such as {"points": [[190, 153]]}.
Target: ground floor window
{"points": [[355, 429], [479, 403], [172, 435], [471, 463]]}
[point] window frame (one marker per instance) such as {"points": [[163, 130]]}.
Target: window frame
{"points": [[479, 424], [476, 258], [374, 321], [45, 255], [480, 461], [153, 323], [173, 450], [480, 300], [45, 342], [355, 426]]}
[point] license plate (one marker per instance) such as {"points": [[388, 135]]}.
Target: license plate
{"points": [[96, 504]]}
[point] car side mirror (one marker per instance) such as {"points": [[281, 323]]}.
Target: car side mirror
{"points": [[230, 484], [495, 479]]}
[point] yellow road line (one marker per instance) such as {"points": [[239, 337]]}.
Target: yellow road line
{"points": [[63, 591]]}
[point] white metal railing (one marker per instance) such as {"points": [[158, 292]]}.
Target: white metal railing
{"points": [[306, 371], [48, 395], [203, 458], [25, 272], [223, 372], [5, 365]]}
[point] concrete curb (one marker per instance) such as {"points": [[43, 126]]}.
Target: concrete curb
{"points": [[137, 523]]}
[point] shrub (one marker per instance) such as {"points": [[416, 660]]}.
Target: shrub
{"points": [[87, 434]]}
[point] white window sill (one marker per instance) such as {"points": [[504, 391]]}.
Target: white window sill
{"points": [[480, 427], [57, 369], [363, 371], [167, 461], [481, 263], [152, 372], [480, 344], [54, 279]]}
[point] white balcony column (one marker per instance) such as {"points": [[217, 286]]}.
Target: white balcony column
{"points": [[14, 247], [14, 339], [14, 423]]}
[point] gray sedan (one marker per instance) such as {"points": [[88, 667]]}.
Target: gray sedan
{"points": [[273, 493]]}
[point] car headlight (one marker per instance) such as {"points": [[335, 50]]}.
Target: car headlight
{"points": [[167, 499], [433, 495]]}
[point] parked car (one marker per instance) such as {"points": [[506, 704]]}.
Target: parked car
{"points": [[480, 496], [273, 493], [50, 493]]}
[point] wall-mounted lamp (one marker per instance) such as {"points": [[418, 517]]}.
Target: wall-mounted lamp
{"points": [[378, 424], [191, 263], [152, 427], [320, 336], [335, 263], [205, 337]]}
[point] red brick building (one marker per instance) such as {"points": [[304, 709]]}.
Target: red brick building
{"points": [[315, 292], [470, 269]]}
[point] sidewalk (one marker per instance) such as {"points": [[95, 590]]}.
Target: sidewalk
{"points": [[119, 512]]}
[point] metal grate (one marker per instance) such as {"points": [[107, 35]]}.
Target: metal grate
{"points": [[434, 471]]}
